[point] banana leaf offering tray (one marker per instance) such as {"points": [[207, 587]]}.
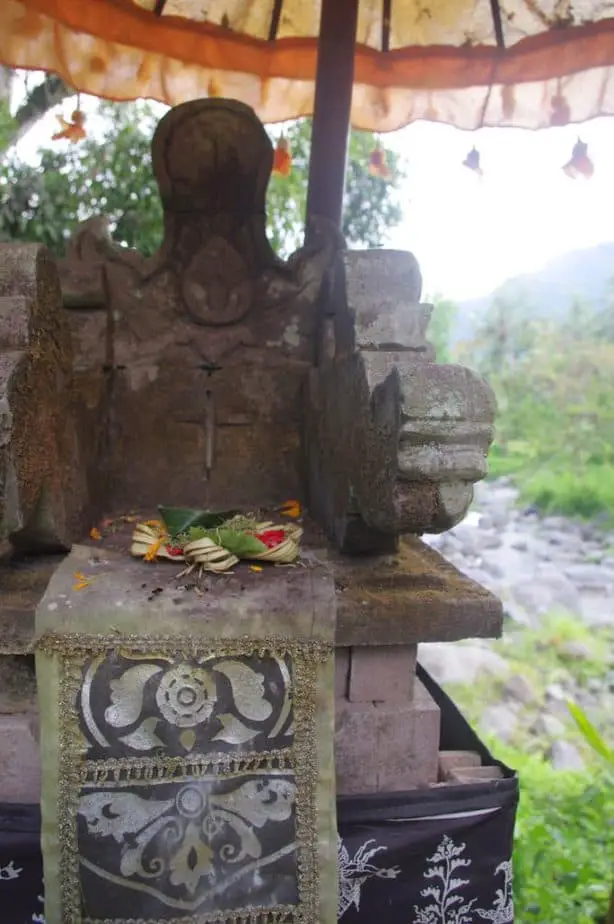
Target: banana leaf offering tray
{"points": [[208, 541]]}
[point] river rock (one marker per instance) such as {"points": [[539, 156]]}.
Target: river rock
{"points": [[576, 650], [565, 756], [500, 720], [548, 726], [449, 662], [519, 688], [590, 576], [545, 592]]}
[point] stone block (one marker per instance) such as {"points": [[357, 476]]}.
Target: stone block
{"points": [[382, 294], [20, 775], [382, 674], [475, 774], [387, 747], [450, 761], [342, 672]]}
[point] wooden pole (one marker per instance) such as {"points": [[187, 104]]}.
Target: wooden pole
{"points": [[331, 117]]}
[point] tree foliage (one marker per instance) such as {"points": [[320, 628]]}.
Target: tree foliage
{"points": [[112, 174], [440, 327], [554, 382], [40, 98]]}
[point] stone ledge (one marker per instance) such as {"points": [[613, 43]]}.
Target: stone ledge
{"points": [[413, 596], [21, 587]]}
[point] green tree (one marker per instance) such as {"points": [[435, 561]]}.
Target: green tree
{"points": [[39, 99], [440, 327], [112, 174]]}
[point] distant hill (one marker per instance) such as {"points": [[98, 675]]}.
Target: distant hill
{"points": [[582, 274]]}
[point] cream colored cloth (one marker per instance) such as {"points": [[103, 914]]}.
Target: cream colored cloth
{"points": [[443, 63]]}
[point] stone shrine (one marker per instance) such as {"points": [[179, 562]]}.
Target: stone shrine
{"points": [[215, 375]]}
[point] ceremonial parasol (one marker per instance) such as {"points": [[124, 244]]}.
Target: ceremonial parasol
{"points": [[380, 64]]}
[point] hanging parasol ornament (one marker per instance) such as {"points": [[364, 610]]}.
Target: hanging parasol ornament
{"points": [[580, 163], [528, 63], [472, 162]]}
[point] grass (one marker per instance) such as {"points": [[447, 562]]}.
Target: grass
{"points": [[586, 491], [564, 842], [541, 656]]}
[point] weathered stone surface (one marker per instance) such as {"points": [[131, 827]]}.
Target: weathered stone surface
{"points": [[20, 776], [385, 673], [450, 761], [17, 685], [206, 345], [476, 774], [42, 486], [387, 747], [22, 584], [400, 599], [415, 434]]}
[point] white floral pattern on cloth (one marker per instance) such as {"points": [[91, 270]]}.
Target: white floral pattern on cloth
{"points": [[448, 902], [354, 872], [10, 872], [134, 706], [192, 844]]}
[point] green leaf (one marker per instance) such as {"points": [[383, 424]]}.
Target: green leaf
{"points": [[590, 733], [180, 519], [240, 544]]}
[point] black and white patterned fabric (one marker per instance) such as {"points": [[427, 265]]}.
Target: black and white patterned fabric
{"points": [[434, 856]]}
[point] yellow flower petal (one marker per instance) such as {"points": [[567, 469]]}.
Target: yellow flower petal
{"points": [[95, 533], [152, 552], [255, 568]]}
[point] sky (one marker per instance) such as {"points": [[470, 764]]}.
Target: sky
{"points": [[469, 233]]}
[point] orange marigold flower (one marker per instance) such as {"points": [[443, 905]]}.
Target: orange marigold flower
{"points": [[95, 533], [82, 580], [152, 552], [291, 508]]}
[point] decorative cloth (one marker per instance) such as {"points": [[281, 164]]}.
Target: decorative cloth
{"points": [[187, 746]]}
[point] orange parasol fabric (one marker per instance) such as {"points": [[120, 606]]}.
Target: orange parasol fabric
{"points": [[528, 63]]}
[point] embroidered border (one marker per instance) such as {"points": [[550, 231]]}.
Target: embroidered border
{"points": [[306, 655]]}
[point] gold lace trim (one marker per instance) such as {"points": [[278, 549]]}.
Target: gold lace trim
{"points": [[140, 769]]}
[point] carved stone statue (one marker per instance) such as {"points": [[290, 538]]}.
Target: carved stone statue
{"points": [[207, 344]]}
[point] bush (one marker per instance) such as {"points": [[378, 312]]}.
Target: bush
{"points": [[564, 842], [554, 384], [585, 493]]}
